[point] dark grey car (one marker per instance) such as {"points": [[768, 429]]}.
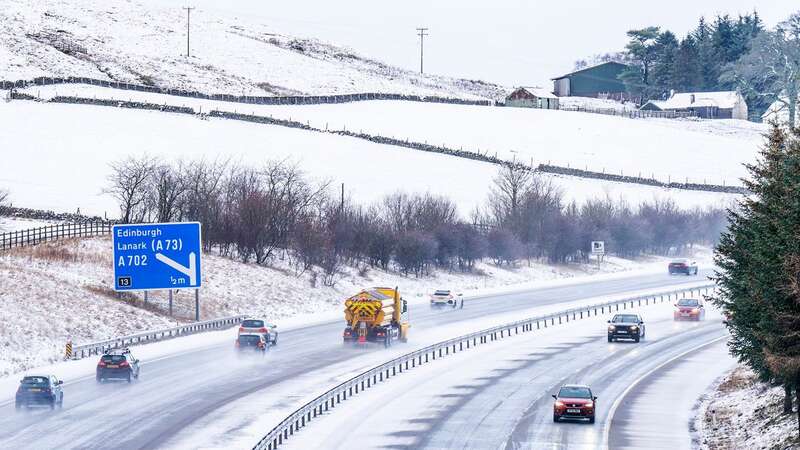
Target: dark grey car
{"points": [[626, 326]]}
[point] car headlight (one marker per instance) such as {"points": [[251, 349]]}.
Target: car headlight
{"points": [[634, 328], [611, 328], [695, 311], [559, 403], [589, 405]]}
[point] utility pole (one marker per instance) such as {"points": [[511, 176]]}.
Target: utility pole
{"points": [[422, 33], [188, 13]]}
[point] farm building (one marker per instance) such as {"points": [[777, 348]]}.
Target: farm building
{"points": [[600, 81], [532, 97], [708, 105]]}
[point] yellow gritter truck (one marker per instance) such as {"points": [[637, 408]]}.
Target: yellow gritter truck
{"points": [[375, 315]]}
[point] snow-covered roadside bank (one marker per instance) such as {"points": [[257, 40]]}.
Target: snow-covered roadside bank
{"points": [[72, 371], [743, 413], [62, 290]]}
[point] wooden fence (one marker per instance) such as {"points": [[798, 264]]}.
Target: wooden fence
{"points": [[38, 235]]}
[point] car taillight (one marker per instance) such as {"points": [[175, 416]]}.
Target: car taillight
{"points": [[263, 330], [47, 390], [347, 332], [123, 364], [241, 329], [101, 363]]}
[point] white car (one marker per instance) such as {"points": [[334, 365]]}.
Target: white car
{"points": [[443, 297], [260, 326]]}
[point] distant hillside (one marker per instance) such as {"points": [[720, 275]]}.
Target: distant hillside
{"points": [[139, 42]]}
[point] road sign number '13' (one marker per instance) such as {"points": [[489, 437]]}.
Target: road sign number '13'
{"points": [[157, 256]]}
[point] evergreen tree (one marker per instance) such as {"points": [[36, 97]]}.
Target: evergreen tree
{"points": [[758, 259], [642, 51], [686, 73], [666, 52]]}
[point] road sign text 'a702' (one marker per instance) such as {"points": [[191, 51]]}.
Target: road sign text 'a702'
{"points": [[157, 256]]}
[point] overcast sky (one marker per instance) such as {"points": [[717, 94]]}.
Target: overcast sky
{"points": [[513, 42]]}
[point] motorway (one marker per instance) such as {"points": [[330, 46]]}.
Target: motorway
{"points": [[498, 396], [175, 393]]}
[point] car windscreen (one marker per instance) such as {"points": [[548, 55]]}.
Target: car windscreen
{"points": [[679, 261], [441, 293], [575, 392], [35, 381], [688, 302], [626, 318], [246, 339], [252, 323], [113, 359]]}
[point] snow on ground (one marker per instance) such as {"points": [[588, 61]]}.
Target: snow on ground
{"points": [[144, 42], [595, 103], [8, 224], [96, 136], [61, 290], [669, 149], [744, 413]]}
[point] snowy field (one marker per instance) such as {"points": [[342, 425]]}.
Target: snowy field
{"points": [[90, 137], [145, 42], [669, 149], [8, 224]]}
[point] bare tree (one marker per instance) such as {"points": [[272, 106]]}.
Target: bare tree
{"points": [[4, 195], [127, 183], [167, 188], [510, 185], [771, 69]]}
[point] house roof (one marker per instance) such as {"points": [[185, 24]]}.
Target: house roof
{"points": [[537, 91], [585, 69], [722, 99]]}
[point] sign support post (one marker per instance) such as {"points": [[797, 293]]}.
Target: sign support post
{"points": [[197, 305]]}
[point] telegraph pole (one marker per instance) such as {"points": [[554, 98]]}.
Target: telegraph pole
{"points": [[188, 13], [422, 33]]}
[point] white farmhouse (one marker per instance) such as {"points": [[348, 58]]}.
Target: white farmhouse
{"points": [[708, 105]]}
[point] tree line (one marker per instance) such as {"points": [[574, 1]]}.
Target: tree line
{"points": [[723, 54], [256, 214], [759, 260]]}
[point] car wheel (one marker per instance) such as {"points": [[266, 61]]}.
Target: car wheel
{"points": [[636, 339], [129, 377], [555, 418], [61, 402], [18, 406], [610, 339], [53, 404], [591, 419]]}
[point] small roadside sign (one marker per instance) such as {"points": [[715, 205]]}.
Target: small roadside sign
{"points": [[598, 247], [157, 256]]}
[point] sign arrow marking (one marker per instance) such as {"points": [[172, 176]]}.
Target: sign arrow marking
{"points": [[190, 271]]}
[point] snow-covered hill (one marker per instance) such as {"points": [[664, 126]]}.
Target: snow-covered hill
{"points": [[60, 156], [145, 42]]}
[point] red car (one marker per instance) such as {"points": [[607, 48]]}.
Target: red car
{"points": [[574, 402], [689, 309], [682, 266]]}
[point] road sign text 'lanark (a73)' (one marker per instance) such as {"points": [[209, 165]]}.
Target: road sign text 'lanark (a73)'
{"points": [[157, 256]]}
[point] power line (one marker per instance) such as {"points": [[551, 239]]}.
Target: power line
{"points": [[188, 13], [422, 34]]}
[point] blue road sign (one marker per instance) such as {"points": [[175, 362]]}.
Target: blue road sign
{"points": [[157, 256]]}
